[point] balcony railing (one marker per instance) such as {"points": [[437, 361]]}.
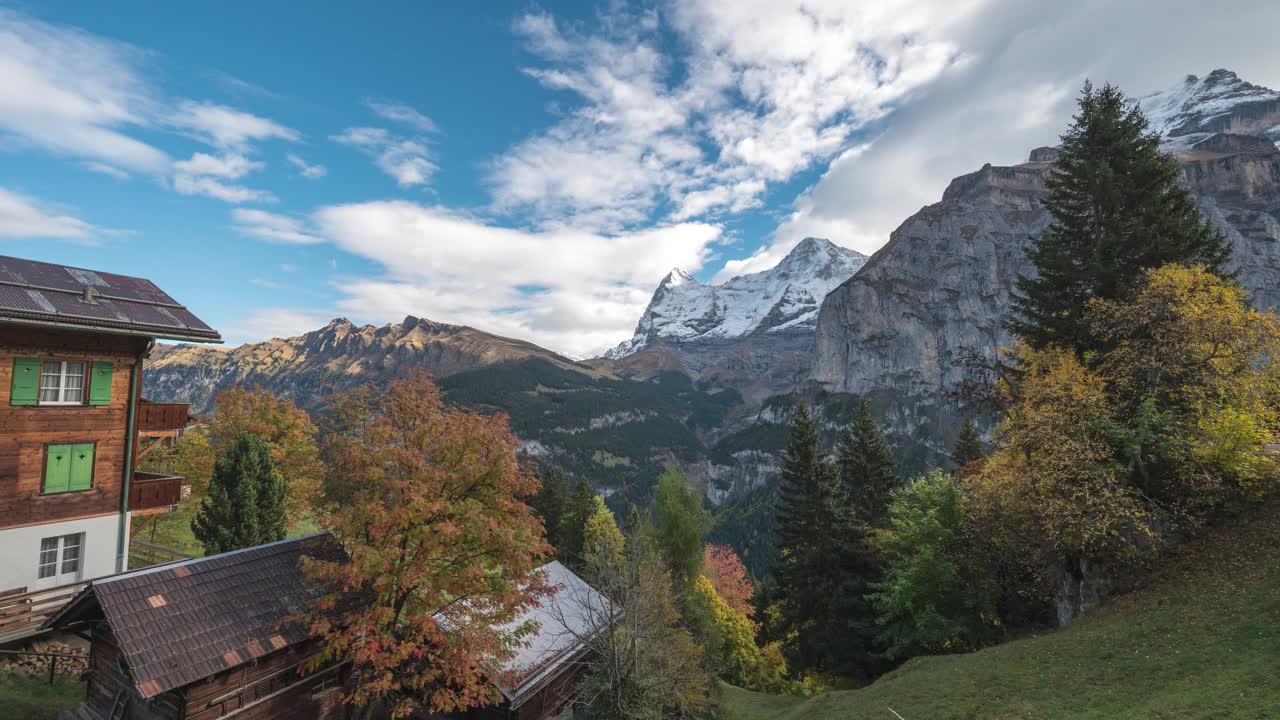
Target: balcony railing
{"points": [[149, 491], [162, 417]]}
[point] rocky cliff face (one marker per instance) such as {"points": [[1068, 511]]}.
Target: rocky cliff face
{"points": [[337, 356], [896, 330], [753, 333]]}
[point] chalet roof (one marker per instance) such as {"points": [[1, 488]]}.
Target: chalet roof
{"points": [[179, 623], [570, 614], [48, 294]]}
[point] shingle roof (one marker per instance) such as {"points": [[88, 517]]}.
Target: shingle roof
{"points": [[179, 623], [570, 614], [42, 293]]}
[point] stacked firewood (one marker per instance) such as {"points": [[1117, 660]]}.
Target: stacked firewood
{"points": [[29, 663]]}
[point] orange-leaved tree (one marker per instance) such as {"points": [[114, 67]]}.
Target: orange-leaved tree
{"points": [[729, 578], [426, 500], [288, 432]]}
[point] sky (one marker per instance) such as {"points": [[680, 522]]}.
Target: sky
{"points": [[533, 170]]}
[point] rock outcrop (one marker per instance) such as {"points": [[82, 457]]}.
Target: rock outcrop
{"points": [[898, 329]]}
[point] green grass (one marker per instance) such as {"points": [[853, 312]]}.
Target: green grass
{"points": [[36, 699], [1202, 640], [173, 529]]}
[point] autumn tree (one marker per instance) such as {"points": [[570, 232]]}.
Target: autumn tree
{"points": [[643, 664], [680, 524], [288, 432], [1117, 209], [732, 641], [728, 576], [426, 501], [245, 505], [602, 541]]}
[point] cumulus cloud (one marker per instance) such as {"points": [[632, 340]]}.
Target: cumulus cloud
{"points": [[272, 227], [212, 176], [227, 127], [759, 92], [26, 218], [404, 159], [570, 290]]}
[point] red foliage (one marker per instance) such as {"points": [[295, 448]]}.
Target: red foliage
{"points": [[729, 577], [425, 499]]}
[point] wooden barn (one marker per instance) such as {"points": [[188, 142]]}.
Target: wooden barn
{"points": [[206, 638], [212, 638]]}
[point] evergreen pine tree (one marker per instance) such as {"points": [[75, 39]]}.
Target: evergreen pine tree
{"points": [[245, 504], [582, 504], [681, 524], [866, 467], [552, 503], [1117, 209], [968, 445], [797, 493]]}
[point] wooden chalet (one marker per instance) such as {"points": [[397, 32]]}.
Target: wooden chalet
{"points": [[73, 425], [215, 638]]}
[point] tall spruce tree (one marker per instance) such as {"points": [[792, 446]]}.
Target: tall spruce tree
{"points": [[245, 504], [1117, 209], [866, 467], [552, 503], [582, 505], [968, 446]]}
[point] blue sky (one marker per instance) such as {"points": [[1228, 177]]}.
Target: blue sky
{"points": [[532, 170]]}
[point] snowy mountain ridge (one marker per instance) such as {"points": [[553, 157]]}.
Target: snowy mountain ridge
{"points": [[1220, 102], [785, 297]]}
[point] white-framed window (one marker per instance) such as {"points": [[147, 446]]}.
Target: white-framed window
{"points": [[62, 382], [60, 558]]}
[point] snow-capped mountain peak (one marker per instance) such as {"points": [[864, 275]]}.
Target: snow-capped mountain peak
{"points": [[1219, 102], [785, 297]]}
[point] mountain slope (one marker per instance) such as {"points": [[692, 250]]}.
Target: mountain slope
{"points": [[334, 357], [941, 285], [753, 333], [1201, 640]]}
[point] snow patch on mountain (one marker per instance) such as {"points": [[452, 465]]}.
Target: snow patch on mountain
{"points": [[1219, 102], [785, 297]]}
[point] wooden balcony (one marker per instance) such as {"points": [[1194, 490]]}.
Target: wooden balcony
{"points": [[156, 417], [154, 492], [22, 612]]}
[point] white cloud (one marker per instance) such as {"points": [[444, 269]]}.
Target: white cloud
{"points": [[205, 174], [76, 94], [401, 113], [231, 166], [23, 217], [1016, 93], [758, 92], [106, 169], [305, 169], [272, 227], [226, 127], [265, 283], [570, 290], [404, 159], [273, 322]]}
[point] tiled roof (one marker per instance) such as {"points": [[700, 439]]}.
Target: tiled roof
{"points": [[42, 293], [179, 623], [571, 613]]}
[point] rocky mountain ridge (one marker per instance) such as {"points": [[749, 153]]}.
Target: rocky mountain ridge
{"points": [[940, 287]]}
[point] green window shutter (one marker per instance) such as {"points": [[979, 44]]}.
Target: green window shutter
{"points": [[57, 468], [81, 466], [100, 383], [26, 382]]}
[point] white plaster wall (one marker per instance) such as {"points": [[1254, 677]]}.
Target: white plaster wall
{"points": [[20, 549]]}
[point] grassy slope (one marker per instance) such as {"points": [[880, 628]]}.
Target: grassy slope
{"points": [[1201, 641], [35, 699]]}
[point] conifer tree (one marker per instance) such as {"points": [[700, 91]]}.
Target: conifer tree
{"points": [[866, 467], [582, 505], [1117, 209], [968, 445], [797, 494], [245, 504], [681, 525], [552, 503]]}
